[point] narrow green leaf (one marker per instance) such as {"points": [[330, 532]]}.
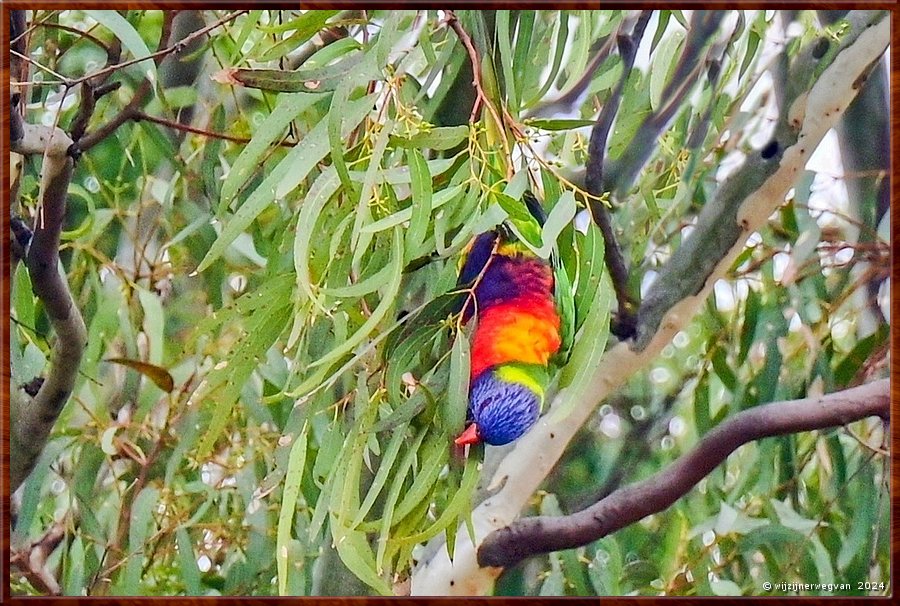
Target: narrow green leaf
{"points": [[522, 59], [387, 301], [440, 138], [226, 381], [589, 347], [401, 216], [849, 366], [139, 531], [359, 241], [702, 421], [361, 74], [560, 217], [663, 21], [250, 23], [457, 399], [23, 299], [128, 36], [748, 331], [524, 225], [284, 178], [354, 550], [562, 38], [302, 80], [388, 36], [381, 477], [289, 498], [664, 61], [387, 519], [421, 203], [363, 287], [319, 194], [310, 22], [272, 128], [723, 370], [606, 570], [857, 543], [459, 504], [504, 40], [75, 568], [187, 563], [432, 460], [554, 124]]}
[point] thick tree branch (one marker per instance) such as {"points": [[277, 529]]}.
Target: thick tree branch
{"points": [[603, 175], [594, 180], [523, 470], [32, 421], [758, 188], [542, 534]]}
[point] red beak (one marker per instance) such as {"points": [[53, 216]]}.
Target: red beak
{"points": [[469, 436]]}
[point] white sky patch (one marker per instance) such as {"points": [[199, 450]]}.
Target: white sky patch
{"points": [[724, 296], [829, 189], [204, 563], [779, 264]]}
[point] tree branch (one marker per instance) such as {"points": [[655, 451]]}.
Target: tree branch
{"points": [[594, 181], [141, 116], [32, 560], [760, 185], [481, 97], [141, 94], [523, 470], [603, 175], [542, 534], [32, 421], [161, 54]]}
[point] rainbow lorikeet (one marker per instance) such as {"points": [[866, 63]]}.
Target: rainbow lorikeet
{"points": [[524, 314]]}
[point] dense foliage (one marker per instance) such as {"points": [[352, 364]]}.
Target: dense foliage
{"points": [[273, 375]]}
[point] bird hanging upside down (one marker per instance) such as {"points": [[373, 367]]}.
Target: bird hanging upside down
{"points": [[524, 317]]}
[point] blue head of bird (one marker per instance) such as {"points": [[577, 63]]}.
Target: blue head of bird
{"points": [[504, 402]]}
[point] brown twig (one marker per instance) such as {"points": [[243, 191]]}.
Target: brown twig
{"points": [[132, 109], [32, 560], [76, 31], [140, 116], [158, 55], [625, 323], [68, 83], [628, 505], [481, 98], [127, 113]]}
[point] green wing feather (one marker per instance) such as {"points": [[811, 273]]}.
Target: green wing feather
{"points": [[565, 307]]}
